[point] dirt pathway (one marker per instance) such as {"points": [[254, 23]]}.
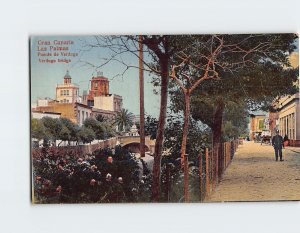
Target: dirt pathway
{"points": [[254, 175]]}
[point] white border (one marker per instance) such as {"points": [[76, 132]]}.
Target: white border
{"points": [[19, 19]]}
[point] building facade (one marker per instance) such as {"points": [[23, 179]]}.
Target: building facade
{"points": [[257, 125], [288, 111], [39, 114], [108, 102], [289, 117], [99, 86], [76, 112], [69, 104], [67, 92]]}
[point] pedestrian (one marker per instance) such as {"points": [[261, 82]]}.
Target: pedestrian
{"points": [[277, 143]]}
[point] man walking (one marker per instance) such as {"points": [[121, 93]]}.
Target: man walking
{"points": [[277, 143]]}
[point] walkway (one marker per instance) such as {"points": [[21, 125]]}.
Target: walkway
{"points": [[254, 175]]}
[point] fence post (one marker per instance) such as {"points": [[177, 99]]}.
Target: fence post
{"points": [[168, 176], [200, 176], [207, 185], [217, 166]]}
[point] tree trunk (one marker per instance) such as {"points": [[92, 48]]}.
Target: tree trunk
{"points": [[142, 112], [184, 158], [217, 134], [164, 64]]}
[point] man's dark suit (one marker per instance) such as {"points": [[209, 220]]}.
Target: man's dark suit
{"points": [[277, 142]]}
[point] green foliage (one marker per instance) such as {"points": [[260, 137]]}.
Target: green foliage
{"points": [[100, 118], [53, 127], [86, 135], [37, 129], [151, 124], [198, 140], [124, 119], [95, 126], [72, 128], [64, 134], [94, 179], [258, 83]]}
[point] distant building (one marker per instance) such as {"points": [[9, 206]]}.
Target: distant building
{"points": [[288, 111], [76, 112], [99, 87], [288, 119], [70, 105], [258, 124], [108, 102], [100, 100], [67, 92], [44, 101], [40, 114], [104, 113]]}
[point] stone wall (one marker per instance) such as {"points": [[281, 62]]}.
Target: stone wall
{"points": [[77, 151]]}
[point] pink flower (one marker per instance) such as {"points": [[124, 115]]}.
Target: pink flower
{"points": [[58, 189], [109, 159], [108, 177], [120, 180], [94, 167], [47, 182], [92, 182]]}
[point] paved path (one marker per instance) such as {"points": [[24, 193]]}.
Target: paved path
{"points": [[254, 175]]}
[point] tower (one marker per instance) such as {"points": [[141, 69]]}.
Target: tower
{"points": [[67, 92], [99, 87]]}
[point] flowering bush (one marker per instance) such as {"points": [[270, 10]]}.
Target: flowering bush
{"points": [[106, 175]]}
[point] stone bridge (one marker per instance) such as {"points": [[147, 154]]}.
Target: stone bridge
{"points": [[132, 143]]}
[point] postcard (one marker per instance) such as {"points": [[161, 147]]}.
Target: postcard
{"points": [[165, 118]]}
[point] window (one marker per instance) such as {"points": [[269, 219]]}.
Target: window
{"points": [[61, 92], [261, 124], [67, 92], [78, 116]]}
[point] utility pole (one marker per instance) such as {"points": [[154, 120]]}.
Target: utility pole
{"points": [[142, 111]]}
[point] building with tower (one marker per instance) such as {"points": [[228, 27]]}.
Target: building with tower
{"points": [[67, 92], [99, 86], [70, 105], [102, 102]]}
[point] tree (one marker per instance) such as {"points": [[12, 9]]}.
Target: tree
{"points": [[64, 134], [86, 134], [37, 129], [96, 127], [53, 128], [211, 58], [72, 129], [151, 125], [158, 51], [124, 119]]}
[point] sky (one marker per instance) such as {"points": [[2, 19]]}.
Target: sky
{"points": [[45, 76]]}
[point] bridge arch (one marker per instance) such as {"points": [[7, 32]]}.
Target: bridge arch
{"points": [[132, 143], [134, 147]]}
